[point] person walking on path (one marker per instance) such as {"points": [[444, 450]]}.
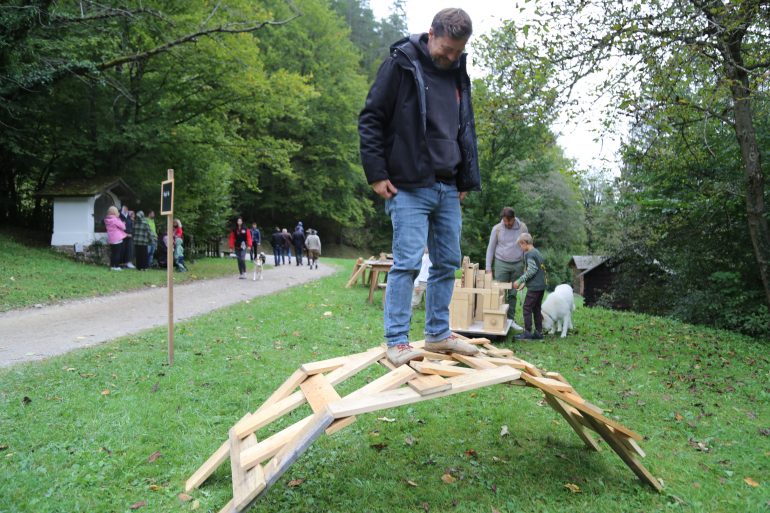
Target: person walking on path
{"points": [[240, 240], [507, 255], [128, 242], [256, 241], [298, 240], [313, 245], [150, 218], [534, 279], [142, 240], [419, 153], [286, 244], [116, 234], [276, 240]]}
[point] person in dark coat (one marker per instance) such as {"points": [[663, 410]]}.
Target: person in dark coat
{"points": [[298, 240], [419, 153], [276, 240]]}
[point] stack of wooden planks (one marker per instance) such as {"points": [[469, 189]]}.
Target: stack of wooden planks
{"points": [[257, 464], [478, 303]]}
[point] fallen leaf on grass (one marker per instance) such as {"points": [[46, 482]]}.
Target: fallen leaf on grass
{"points": [[105, 392], [3, 447], [409, 441], [572, 487], [764, 431], [504, 431], [195, 505], [678, 417], [184, 497], [471, 453], [410, 482], [154, 487], [154, 456], [328, 314], [750, 482], [448, 479], [155, 387], [426, 507], [386, 419], [296, 482], [26, 400], [137, 505]]}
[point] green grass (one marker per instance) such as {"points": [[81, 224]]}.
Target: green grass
{"points": [[31, 276], [699, 396]]}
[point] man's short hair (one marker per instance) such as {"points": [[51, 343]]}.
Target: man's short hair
{"points": [[525, 237], [452, 22], [507, 212]]}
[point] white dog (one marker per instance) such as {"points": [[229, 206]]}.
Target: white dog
{"points": [[259, 263], [557, 310]]}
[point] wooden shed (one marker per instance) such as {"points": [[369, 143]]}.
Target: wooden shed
{"points": [[79, 208], [579, 264]]}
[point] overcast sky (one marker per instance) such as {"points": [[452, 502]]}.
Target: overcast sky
{"points": [[577, 139]]}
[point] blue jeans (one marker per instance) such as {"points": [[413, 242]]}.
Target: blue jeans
{"points": [[427, 216], [277, 254], [151, 252]]}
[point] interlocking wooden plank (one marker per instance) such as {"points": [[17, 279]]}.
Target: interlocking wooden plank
{"points": [[246, 483], [441, 370], [581, 407], [268, 447], [474, 362], [355, 364], [318, 393], [296, 446], [553, 383], [209, 467], [571, 416], [393, 379], [628, 457], [427, 384], [404, 395], [428, 355], [497, 352], [359, 269], [324, 365], [512, 362]]}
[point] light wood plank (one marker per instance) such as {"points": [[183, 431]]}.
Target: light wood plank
{"points": [[554, 384], [474, 362], [628, 457], [572, 420], [581, 408], [318, 393], [209, 467], [318, 367], [441, 370], [246, 483], [427, 384], [404, 395], [268, 447]]}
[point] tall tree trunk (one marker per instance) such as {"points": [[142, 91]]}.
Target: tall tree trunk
{"points": [[755, 180]]}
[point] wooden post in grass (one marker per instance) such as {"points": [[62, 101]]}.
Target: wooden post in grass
{"points": [[167, 209]]}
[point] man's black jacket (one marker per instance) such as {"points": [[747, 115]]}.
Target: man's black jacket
{"points": [[392, 124]]}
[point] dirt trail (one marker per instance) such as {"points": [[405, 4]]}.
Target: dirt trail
{"points": [[38, 333]]}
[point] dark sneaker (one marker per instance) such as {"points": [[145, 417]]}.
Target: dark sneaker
{"points": [[402, 353], [525, 336], [452, 344], [537, 336]]}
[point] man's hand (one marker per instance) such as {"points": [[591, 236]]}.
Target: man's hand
{"points": [[489, 272], [385, 189], [463, 194]]}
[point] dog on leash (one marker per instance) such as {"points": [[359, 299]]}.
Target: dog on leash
{"points": [[557, 310], [259, 264]]}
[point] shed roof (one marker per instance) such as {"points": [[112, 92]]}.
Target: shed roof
{"points": [[587, 261], [83, 187]]}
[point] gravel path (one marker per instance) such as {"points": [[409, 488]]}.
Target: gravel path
{"points": [[38, 333]]}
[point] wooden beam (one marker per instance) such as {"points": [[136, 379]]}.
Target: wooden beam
{"points": [[441, 370], [246, 483], [402, 396], [427, 384], [581, 408], [319, 393], [628, 457], [268, 447], [571, 419]]}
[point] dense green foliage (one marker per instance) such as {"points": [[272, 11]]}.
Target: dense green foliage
{"points": [[78, 432], [256, 113]]}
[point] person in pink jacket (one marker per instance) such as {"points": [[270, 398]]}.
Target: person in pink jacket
{"points": [[116, 233]]}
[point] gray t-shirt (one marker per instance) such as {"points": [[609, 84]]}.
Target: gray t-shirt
{"points": [[502, 243]]}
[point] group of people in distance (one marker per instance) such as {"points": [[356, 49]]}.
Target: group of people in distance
{"points": [[133, 237], [243, 239], [421, 99]]}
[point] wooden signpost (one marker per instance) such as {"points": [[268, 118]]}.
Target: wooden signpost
{"points": [[167, 209]]}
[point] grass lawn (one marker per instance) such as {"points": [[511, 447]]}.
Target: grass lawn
{"points": [[30, 276], [113, 428]]}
